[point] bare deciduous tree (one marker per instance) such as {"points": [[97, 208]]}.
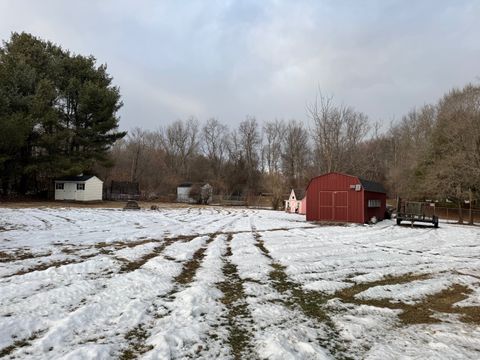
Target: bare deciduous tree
{"points": [[453, 167], [295, 154], [250, 141], [274, 133], [433, 151], [243, 174], [337, 131], [137, 143], [180, 142], [214, 144]]}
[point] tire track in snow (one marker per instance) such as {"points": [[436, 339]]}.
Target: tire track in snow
{"points": [[102, 249], [82, 302], [74, 256], [238, 316], [167, 310], [310, 303], [192, 324], [133, 265], [121, 300], [267, 327], [169, 315]]}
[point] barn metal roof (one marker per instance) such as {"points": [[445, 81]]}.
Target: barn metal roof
{"points": [[372, 186], [75, 178]]}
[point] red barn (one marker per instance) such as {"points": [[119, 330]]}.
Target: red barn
{"points": [[344, 198]]}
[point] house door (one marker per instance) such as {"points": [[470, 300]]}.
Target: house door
{"points": [[70, 191]]}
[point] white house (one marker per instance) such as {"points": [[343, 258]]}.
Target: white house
{"points": [[79, 188]]}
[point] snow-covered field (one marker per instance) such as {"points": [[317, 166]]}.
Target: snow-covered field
{"points": [[217, 283]]}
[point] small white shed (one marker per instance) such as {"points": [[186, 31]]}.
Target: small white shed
{"points": [[183, 193], [79, 188], [194, 193]]}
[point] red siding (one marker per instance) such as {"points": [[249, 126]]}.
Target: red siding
{"points": [[332, 197], [379, 213]]}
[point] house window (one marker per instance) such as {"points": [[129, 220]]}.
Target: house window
{"points": [[374, 203], [80, 186], [58, 186]]}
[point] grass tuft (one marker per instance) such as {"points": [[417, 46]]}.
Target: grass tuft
{"points": [[19, 344], [136, 343]]}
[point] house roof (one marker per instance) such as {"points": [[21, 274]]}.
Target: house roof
{"points": [[75, 178], [372, 186], [190, 184], [299, 193]]}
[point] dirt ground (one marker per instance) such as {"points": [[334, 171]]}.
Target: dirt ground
{"points": [[90, 204]]}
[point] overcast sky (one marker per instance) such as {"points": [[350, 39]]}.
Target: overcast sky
{"points": [[229, 59]]}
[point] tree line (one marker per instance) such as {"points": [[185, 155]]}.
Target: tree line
{"points": [[247, 160], [433, 152], [58, 116]]}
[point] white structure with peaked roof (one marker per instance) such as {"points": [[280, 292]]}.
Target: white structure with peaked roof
{"points": [[194, 193], [79, 188], [297, 202]]}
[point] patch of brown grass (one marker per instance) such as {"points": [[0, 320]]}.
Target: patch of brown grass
{"points": [[312, 304], [45, 266], [422, 312], [190, 267], [442, 302], [134, 265], [20, 255], [117, 245], [136, 343], [261, 245], [19, 344], [237, 310], [349, 293]]}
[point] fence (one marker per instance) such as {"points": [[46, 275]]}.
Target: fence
{"points": [[452, 214], [250, 201], [229, 200], [122, 190]]}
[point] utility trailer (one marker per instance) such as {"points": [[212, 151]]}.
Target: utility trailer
{"points": [[414, 211]]}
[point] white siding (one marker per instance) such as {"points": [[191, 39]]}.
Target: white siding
{"points": [[68, 192], [183, 194], [93, 190]]}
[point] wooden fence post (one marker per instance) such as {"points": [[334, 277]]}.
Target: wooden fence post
{"points": [[470, 217]]}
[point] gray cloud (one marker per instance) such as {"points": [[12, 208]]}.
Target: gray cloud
{"points": [[227, 59]]}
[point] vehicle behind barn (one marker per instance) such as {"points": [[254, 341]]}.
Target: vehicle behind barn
{"points": [[415, 211]]}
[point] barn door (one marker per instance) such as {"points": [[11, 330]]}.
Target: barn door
{"points": [[340, 206], [325, 205]]}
